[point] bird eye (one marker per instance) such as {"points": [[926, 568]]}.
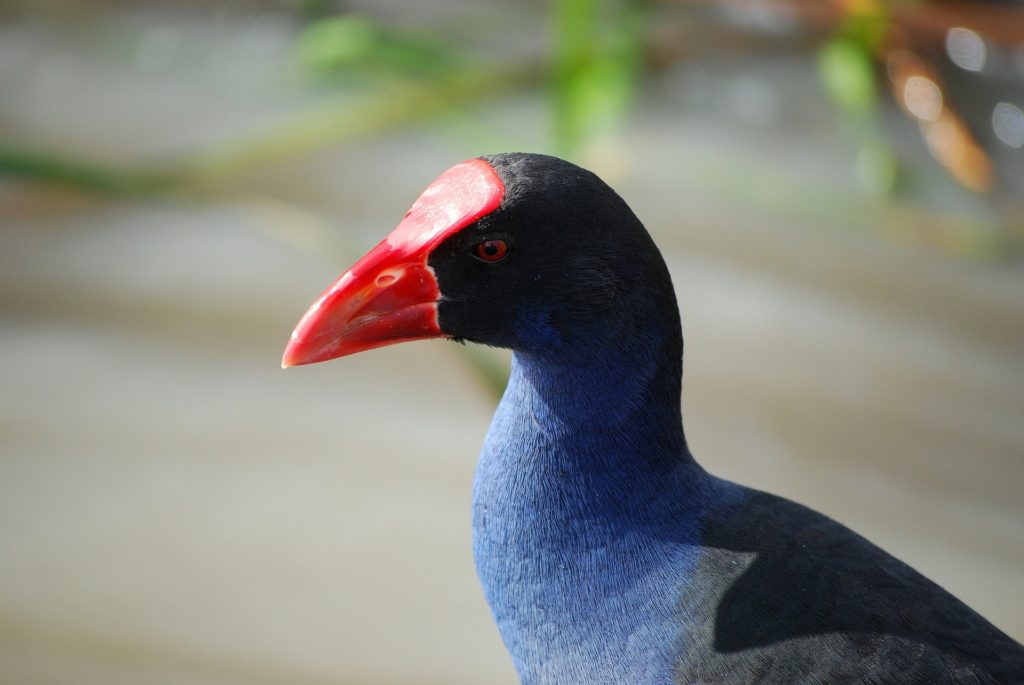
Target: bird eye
{"points": [[491, 250]]}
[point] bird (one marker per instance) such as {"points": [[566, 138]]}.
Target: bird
{"points": [[607, 554]]}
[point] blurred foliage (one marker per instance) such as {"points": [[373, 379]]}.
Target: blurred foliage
{"points": [[325, 124], [597, 59], [846, 65], [599, 53], [595, 64], [81, 174], [338, 45], [848, 75]]}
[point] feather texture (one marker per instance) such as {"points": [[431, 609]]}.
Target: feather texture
{"points": [[607, 554]]}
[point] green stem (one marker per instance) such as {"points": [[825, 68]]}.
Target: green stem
{"points": [[42, 166], [334, 123]]}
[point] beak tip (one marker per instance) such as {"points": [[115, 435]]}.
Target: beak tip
{"points": [[290, 357]]}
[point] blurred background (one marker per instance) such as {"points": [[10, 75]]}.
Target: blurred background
{"points": [[837, 186]]}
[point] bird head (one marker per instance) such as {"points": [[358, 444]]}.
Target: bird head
{"points": [[522, 251]]}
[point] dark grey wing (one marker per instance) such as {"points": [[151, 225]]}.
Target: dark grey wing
{"points": [[784, 594]]}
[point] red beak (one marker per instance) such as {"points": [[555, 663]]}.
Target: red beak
{"points": [[391, 294]]}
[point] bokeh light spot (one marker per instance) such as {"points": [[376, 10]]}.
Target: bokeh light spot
{"points": [[922, 97], [1008, 123], [966, 48]]}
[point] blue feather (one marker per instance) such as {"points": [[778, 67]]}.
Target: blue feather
{"points": [[587, 512]]}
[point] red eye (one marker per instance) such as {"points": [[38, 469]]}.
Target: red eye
{"points": [[491, 250]]}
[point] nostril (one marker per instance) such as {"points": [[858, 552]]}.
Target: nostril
{"points": [[385, 280]]}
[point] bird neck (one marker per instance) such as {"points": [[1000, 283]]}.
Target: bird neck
{"points": [[586, 499], [608, 412], [605, 390]]}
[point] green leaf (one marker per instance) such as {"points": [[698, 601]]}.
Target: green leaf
{"points": [[42, 166], [847, 73], [340, 44], [597, 60]]}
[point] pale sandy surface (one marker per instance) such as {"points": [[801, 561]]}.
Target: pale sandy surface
{"points": [[176, 509]]}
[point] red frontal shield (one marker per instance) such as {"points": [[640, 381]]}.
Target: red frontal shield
{"points": [[391, 295]]}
